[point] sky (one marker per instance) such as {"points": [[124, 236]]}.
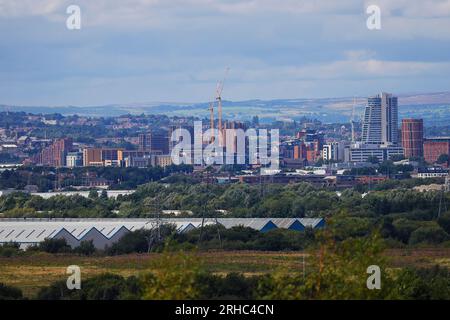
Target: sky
{"points": [[137, 51]]}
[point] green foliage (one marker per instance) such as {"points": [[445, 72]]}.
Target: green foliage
{"points": [[229, 287], [341, 270], [404, 228], [9, 292], [24, 205], [389, 168], [104, 195], [93, 194], [102, 287], [344, 227], [54, 246], [335, 270], [10, 249], [424, 284], [141, 241], [281, 285], [354, 215], [432, 234], [338, 272], [444, 222], [443, 158], [175, 278], [86, 248], [136, 241], [119, 178], [244, 238]]}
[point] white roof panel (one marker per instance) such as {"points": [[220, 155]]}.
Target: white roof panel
{"points": [[36, 230]]}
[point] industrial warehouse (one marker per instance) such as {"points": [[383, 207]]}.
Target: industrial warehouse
{"points": [[104, 232]]}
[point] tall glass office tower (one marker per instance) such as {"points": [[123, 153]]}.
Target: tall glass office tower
{"points": [[380, 125]]}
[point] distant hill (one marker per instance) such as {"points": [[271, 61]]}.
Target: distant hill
{"points": [[434, 108]]}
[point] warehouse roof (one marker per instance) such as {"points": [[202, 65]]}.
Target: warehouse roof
{"points": [[30, 231]]}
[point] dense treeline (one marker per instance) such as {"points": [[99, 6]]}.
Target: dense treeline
{"points": [[47, 179], [214, 237], [406, 216], [386, 168], [296, 200], [54, 246]]}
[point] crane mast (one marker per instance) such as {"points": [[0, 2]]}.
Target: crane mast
{"points": [[219, 90]]}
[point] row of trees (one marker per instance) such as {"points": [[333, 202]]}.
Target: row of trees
{"points": [[408, 216], [53, 246], [46, 178]]}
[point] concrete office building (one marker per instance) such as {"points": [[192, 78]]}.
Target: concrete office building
{"points": [[154, 142], [363, 152], [102, 157]]}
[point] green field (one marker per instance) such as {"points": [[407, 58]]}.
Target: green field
{"points": [[31, 272]]}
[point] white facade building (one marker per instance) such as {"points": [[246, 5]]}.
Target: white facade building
{"points": [[334, 151], [360, 152], [74, 159]]}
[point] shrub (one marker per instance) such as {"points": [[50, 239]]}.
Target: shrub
{"points": [[135, 241], [444, 222], [424, 284], [174, 279], [141, 241], [9, 249], [103, 287], [428, 234], [231, 286], [86, 248], [54, 246], [9, 293]]}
